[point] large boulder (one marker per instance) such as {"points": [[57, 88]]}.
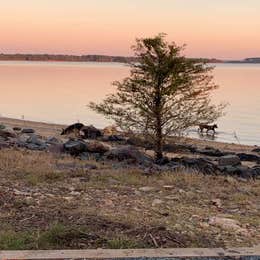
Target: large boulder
{"points": [[238, 170], [97, 147], [127, 153], [229, 160], [34, 139], [23, 138], [75, 147], [199, 164]]}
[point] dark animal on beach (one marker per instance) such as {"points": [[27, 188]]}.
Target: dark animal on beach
{"points": [[207, 127], [90, 132], [75, 128]]}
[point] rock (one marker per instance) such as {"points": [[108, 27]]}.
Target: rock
{"points": [[115, 138], [256, 150], [229, 160], [173, 148], [56, 148], [255, 172], [53, 140], [75, 147], [22, 139], [239, 170], [156, 202], [33, 139], [163, 161], [210, 151], [97, 147], [90, 132], [3, 143], [28, 131], [6, 133], [217, 203], [129, 153], [248, 157], [17, 129], [200, 164], [227, 223], [33, 143], [2, 127], [146, 189]]}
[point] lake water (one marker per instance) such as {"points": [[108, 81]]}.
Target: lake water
{"points": [[59, 92]]}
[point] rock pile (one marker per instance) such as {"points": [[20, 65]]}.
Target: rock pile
{"points": [[210, 161]]}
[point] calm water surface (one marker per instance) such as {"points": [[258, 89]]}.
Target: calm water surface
{"points": [[59, 92]]}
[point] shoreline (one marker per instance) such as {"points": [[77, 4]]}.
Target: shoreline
{"points": [[54, 129]]}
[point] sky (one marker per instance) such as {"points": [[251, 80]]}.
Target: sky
{"points": [[225, 29]]}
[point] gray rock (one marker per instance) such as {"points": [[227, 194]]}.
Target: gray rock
{"points": [[56, 148], [202, 165], [33, 139], [210, 151], [75, 147], [173, 148], [248, 157], [229, 160], [255, 171], [2, 127], [53, 140], [28, 131], [128, 153], [240, 171], [90, 156], [23, 138], [32, 146]]}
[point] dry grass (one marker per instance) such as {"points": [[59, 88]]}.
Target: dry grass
{"points": [[52, 201]]}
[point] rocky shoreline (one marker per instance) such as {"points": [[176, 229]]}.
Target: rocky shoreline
{"points": [[127, 151]]}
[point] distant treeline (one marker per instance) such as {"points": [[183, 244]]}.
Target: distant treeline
{"points": [[100, 58], [70, 58], [247, 60]]}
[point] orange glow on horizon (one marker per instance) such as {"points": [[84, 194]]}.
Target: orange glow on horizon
{"points": [[219, 29]]}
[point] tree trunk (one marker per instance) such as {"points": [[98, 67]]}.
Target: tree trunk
{"points": [[159, 140]]}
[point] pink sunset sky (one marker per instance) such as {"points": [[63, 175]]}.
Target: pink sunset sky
{"points": [[211, 28]]}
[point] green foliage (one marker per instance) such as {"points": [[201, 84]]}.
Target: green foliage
{"points": [[122, 243], [15, 240], [165, 94]]}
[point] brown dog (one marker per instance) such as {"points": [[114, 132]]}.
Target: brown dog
{"points": [[207, 127]]}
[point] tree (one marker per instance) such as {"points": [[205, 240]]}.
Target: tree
{"points": [[165, 93]]}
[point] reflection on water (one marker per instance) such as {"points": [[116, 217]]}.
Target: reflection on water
{"points": [[59, 92]]}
